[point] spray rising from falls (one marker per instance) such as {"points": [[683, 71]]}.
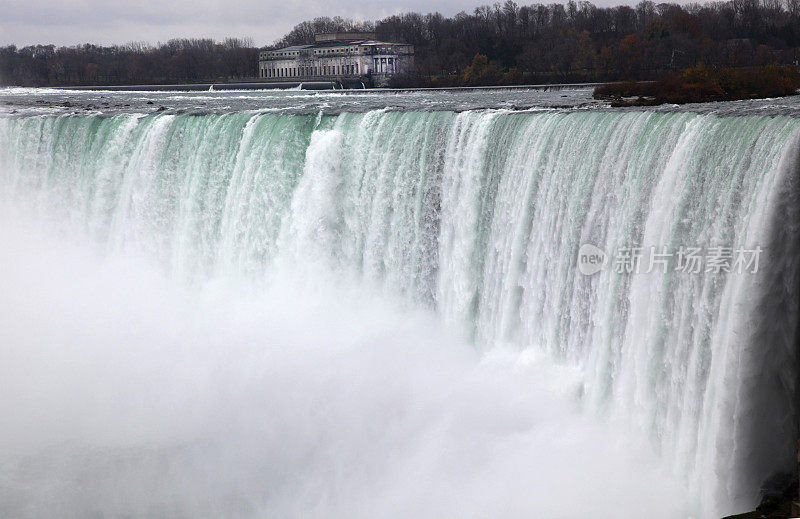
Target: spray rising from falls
{"points": [[480, 216]]}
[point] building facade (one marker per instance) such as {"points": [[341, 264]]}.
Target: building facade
{"points": [[342, 57]]}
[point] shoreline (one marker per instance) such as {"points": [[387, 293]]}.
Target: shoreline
{"points": [[310, 85]]}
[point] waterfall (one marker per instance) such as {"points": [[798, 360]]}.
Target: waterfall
{"points": [[479, 216]]}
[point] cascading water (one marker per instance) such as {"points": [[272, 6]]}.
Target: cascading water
{"points": [[479, 215]]}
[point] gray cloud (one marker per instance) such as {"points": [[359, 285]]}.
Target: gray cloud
{"points": [[24, 22], [71, 22]]}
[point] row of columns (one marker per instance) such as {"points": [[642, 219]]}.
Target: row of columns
{"points": [[324, 70]]}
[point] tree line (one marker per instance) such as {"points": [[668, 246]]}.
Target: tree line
{"points": [[578, 41], [176, 61], [497, 44]]}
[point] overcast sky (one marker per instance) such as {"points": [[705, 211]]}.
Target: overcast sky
{"points": [[69, 22]]}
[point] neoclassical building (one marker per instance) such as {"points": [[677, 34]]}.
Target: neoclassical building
{"points": [[338, 57]]}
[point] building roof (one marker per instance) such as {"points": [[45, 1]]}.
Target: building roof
{"points": [[337, 43], [343, 36]]}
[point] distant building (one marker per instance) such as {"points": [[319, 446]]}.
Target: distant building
{"points": [[344, 57]]}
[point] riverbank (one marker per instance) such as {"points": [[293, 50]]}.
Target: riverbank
{"points": [[703, 84]]}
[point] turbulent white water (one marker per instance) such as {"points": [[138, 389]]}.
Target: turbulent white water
{"points": [[322, 397]]}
